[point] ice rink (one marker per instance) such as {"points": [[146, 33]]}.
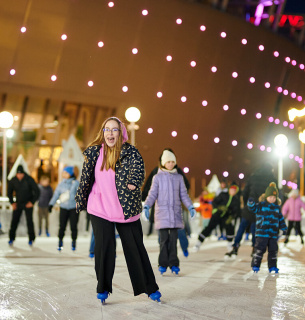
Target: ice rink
{"points": [[40, 283]]}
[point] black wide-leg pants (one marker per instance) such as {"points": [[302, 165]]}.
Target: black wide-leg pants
{"points": [[140, 271], [64, 216]]}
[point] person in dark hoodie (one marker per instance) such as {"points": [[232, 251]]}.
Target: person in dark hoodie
{"points": [[27, 193]]}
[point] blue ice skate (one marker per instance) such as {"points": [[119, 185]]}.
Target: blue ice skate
{"points": [[255, 269], [47, 233], [155, 296], [30, 243], [185, 253], [275, 269], [60, 245], [103, 296], [175, 269], [91, 255], [162, 270], [10, 243], [73, 245]]}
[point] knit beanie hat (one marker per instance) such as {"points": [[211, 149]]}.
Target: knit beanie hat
{"points": [[271, 190], [20, 169], [234, 186], [167, 156], [70, 170]]}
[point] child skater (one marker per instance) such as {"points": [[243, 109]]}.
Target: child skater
{"points": [[269, 220], [292, 211], [168, 191], [66, 192]]}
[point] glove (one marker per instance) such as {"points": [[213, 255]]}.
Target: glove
{"points": [[50, 208], [146, 212], [192, 211]]}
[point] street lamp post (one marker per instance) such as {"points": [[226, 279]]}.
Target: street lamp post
{"points": [[281, 142], [133, 114], [6, 121]]}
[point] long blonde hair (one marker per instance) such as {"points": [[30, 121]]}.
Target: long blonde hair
{"points": [[111, 155]]}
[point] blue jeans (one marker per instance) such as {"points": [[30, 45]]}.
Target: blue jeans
{"points": [[92, 243], [241, 230], [184, 243]]}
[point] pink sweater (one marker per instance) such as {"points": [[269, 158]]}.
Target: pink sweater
{"points": [[292, 209], [103, 199]]}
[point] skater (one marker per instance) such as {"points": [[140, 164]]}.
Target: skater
{"points": [[27, 193], [292, 211], [66, 192], [226, 206], [168, 191], [255, 187], [269, 220], [110, 190], [46, 193]]}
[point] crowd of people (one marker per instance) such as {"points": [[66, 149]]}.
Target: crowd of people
{"points": [[110, 191]]}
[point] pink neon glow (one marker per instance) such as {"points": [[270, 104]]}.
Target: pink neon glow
{"points": [[225, 107], [207, 172], [258, 14], [110, 4], [193, 63], [300, 160], [258, 115], [186, 170], [284, 182], [296, 158], [12, 72], [223, 34], [134, 50], [216, 140], [267, 85], [287, 59], [293, 62], [213, 69], [285, 92], [244, 41], [243, 111], [276, 54], [291, 126], [291, 156], [269, 149], [301, 165], [90, 83], [277, 121], [204, 103], [159, 94], [64, 37], [23, 29], [203, 28], [262, 148], [299, 98], [302, 66], [234, 143], [100, 44], [234, 74], [241, 176], [174, 133], [252, 79], [261, 47], [249, 145], [270, 119], [293, 95], [279, 89], [124, 88], [53, 77], [150, 130], [144, 12], [285, 123], [225, 174], [195, 136], [179, 21], [183, 99], [169, 58]]}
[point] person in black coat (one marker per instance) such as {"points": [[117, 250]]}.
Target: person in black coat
{"points": [[27, 193], [256, 185]]}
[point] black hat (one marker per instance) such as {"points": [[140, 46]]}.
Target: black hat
{"points": [[20, 169]]}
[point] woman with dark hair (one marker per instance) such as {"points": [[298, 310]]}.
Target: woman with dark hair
{"points": [[110, 190]]}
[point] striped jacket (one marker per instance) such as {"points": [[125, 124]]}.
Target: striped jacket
{"points": [[129, 169], [269, 219]]}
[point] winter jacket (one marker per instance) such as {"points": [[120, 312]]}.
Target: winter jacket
{"points": [[129, 169], [26, 190], [269, 219], [292, 209], [46, 194], [228, 207], [256, 185], [168, 191], [70, 185]]}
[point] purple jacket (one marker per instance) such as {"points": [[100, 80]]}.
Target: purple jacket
{"points": [[292, 209], [168, 191]]}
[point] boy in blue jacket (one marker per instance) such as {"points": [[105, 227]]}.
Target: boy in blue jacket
{"points": [[269, 220]]}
